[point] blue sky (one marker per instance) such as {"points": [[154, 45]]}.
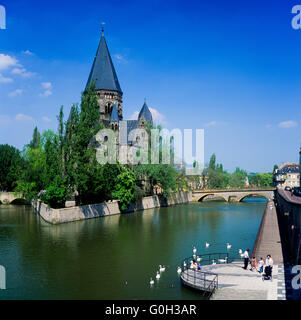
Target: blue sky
{"points": [[230, 67]]}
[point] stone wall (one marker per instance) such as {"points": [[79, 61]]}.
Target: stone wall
{"points": [[57, 216], [289, 216]]}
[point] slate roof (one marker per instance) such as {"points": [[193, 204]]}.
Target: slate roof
{"points": [[146, 113], [114, 115], [288, 169], [103, 71]]}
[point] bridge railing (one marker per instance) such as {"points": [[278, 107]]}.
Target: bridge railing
{"points": [[253, 189]]}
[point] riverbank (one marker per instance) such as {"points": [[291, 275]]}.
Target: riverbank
{"points": [[58, 216]]}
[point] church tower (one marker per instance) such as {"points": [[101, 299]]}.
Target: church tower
{"points": [[107, 84]]}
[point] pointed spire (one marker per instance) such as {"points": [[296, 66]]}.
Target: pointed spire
{"points": [[146, 113], [114, 115], [103, 71]]}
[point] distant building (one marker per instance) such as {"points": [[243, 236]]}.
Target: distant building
{"points": [[287, 175]]}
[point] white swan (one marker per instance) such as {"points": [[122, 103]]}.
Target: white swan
{"points": [[194, 250], [158, 275], [207, 244], [199, 259], [213, 262], [229, 246], [161, 268], [179, 270], [184, 264], [151, 281], [223, 260], [240, 251]]}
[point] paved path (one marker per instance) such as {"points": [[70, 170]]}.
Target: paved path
{"points": [[235, 283], [268, 238]]}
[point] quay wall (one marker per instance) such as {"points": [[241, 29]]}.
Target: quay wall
{"points": [[289, 216], [58, 216]]}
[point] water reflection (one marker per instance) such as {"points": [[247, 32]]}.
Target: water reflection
{"points": [[115, 257]]}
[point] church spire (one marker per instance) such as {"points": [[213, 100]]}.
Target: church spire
{"points": [[103, 71]]}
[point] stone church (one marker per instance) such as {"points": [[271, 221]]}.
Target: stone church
{"points": [[110, 97]]}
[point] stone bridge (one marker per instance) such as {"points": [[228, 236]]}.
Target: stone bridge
{"points": [[233, 195], [11, 198]]}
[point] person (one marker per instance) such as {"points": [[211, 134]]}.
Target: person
{"points": [[195, 266], [269, 266], [260, 265], [253, 264], [246, 259]]}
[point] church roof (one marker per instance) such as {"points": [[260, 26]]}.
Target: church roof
{"points": [[146, 113], [114, 115], [103, 71]]}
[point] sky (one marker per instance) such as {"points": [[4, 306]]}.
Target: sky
{"points": [[232, 68]]}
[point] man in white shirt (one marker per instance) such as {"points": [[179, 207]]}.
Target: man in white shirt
{"points": [[269, 266], [269, 261], [246, 259]]}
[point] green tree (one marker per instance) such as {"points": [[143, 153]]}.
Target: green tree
{"points": [[238, 178], [11, 165], [125, 188]]}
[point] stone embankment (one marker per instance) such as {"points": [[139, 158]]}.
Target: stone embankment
{"points": [[58, 216]]}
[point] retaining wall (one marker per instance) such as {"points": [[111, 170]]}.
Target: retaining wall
{"points": [[57, 216]]}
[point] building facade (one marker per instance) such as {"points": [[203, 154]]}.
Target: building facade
{"points": [[287, 175], [110, 99]]}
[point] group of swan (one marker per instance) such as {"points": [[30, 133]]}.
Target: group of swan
{"points": [[158, 275]]}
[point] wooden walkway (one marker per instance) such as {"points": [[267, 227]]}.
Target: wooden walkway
{"points": [[268, 238]]}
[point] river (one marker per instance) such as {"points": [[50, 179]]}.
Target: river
{"points": [[115, 257]]}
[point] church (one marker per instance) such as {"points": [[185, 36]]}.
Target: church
{"points": [[110, 97]]}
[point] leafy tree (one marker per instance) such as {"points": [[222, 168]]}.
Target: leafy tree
{"points": [[125, 188], [238, 178], [11, 165], [56, 194], [35, 142]]}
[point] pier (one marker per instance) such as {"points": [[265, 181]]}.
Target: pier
{"points": [[224, 277]]}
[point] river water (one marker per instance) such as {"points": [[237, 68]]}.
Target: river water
{"points": [[115, 257]]}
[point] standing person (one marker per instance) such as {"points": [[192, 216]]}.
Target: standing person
{"points": [[246, 259], [269, 266], [253, 264]]}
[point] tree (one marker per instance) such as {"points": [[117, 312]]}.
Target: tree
{"points": [[238, 178], [11, 165], [125, 188], [35, 142]]}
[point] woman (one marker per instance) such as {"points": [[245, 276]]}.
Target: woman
{"points": [[253, 264]]}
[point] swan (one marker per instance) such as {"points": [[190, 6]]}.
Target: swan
{"points": [[207, 244], [161, 268], [213, 262], [240, 251], [179, 270], [151, 281], [229, 246], [158, 275], [223, 260], [184, 264], [194, 250], [199, 259]]}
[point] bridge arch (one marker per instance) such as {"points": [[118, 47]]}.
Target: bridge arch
{"points": [[19, 201], [253, 194], [203, 196]]}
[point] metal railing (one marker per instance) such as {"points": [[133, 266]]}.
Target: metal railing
{"points": [[207, 282]]}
